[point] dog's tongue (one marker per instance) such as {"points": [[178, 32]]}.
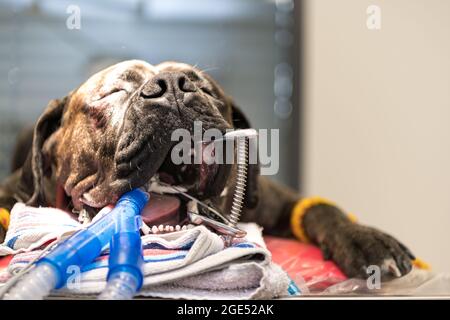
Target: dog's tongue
{"points": [[161, 209]]}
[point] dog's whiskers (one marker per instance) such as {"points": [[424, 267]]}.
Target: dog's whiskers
{"points": [[209, 69]]}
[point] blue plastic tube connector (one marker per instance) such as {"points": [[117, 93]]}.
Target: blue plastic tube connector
{"points": [[125, 259], [86, 245]]}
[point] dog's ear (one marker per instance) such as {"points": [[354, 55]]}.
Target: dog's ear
{"points": [[35, 167], [22, 148], [240, 121]]}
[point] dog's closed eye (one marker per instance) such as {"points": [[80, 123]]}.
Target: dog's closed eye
{"points": [[110, 92]]}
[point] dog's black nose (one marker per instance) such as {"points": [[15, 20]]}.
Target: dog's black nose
{"points": [[168, 82]]}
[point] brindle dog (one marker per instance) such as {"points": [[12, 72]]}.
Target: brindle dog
{"points": [[113, 133]]}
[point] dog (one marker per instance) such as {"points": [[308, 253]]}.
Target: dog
{"points": [[113, 134]]}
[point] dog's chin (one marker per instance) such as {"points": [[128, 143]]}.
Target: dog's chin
{"points": [[167, 208]]}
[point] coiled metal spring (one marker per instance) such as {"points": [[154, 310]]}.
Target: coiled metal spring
{"points": [[228, 226], [241, 181], [243, 138]]}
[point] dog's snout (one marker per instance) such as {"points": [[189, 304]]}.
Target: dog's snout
{"points": [[168, 82]]}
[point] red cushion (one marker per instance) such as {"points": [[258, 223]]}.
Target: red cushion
{"points": [[4, 261], [304, 262]]}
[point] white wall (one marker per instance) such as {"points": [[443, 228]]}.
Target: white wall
{"points": [[377, 122]]}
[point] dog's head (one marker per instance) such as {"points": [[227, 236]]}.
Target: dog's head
{"points": [[114, 133]]}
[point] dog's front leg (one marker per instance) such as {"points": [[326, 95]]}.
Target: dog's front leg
{"points": [[355, 247], [352, 246]]}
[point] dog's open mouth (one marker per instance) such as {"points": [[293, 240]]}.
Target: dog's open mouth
{"points": [[173, 186]]}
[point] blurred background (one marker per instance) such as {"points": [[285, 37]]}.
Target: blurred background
{"points": [[363, 113], [248, 46], [376, 126]]}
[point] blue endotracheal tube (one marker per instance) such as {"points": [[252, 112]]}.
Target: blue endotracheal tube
{"points": [[125, 259], [119, 228]]}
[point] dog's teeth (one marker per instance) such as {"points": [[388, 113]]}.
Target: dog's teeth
{"points": [[161, 228], [170, 228], [155, 229], [146, 229], [183, 228], [167, 228], [177, 228]]}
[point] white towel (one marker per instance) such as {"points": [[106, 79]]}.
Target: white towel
{"points": [[191, 264]]}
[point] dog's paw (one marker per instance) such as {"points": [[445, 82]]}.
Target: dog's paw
{"points": [[356, 249]]}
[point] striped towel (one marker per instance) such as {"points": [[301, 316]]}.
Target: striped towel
{"points": [[189, 264]]}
